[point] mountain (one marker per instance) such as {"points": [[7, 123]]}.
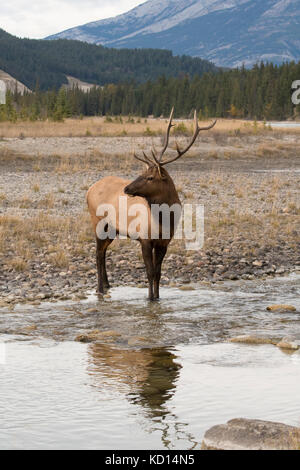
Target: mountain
{"points": [[50, 63], [226, 32], [12, 84]]}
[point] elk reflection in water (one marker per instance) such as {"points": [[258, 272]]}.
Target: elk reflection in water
{"points": [[147, 378]]}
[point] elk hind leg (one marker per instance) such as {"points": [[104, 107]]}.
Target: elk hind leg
{"points": [[158, 257]]}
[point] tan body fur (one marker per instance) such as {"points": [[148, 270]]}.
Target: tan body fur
{"points": [[108, 191], [152, 188]]}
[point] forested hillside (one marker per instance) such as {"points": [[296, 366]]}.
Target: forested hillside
{"points": [[264, 92], [48, 62]]}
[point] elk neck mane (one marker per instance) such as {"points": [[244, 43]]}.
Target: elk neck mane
{"points": [[169, 197]]}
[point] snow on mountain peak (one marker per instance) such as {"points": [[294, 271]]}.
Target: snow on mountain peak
{"points": [[227, 32]]}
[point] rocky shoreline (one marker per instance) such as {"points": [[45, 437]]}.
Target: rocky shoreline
{"points": [[42, 282]]}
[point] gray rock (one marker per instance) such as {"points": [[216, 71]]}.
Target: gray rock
{"points": [[251, 339], [257, 263], [251, 434], [281, 308], [289, 342]]}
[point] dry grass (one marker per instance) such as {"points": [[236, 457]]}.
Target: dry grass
{"points": [[25, 202], [36, 188], [2, 240], [47, 202], [275, 149], [269, 225], [18, 264], [57, 236], [67, 164], [87, 127], [295, 439], [232, 209], [70, 165], [100, 126], [58, 259]]}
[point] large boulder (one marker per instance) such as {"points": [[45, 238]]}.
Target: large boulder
{"points": [[251, 434]]}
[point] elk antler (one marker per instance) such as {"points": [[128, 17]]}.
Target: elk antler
{"points": [[170, 125], [146, 160], [196, 133], [157, 159]]}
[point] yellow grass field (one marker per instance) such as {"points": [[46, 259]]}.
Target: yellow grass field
{"points": [[101, 126]]}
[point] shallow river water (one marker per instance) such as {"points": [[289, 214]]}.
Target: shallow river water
{"points": [[164, 373], [284, 124]]}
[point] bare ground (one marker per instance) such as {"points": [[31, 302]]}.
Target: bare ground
{"points": [[249, 185]]}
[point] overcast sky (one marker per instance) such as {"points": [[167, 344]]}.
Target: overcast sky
{"points": [[40, 18]]}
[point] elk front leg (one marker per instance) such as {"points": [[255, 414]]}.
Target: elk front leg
{"points": [[148, 260], [101, 264], [158, 257]]}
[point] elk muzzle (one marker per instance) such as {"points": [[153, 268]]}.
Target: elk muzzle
{"points": [[135, 188], [128, 190]]}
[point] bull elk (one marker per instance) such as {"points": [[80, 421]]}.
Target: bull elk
{"points": [[154, 186]]}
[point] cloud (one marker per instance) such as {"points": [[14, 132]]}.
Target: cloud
{"points": [[38, 19]]}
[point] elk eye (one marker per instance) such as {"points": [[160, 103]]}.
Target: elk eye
{"points": [[149, 178]]}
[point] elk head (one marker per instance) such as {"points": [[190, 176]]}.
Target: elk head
{"points": [[156, 182], [151, 184]]}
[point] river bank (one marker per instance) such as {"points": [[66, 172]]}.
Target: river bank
{"points": [[248, 185]]}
